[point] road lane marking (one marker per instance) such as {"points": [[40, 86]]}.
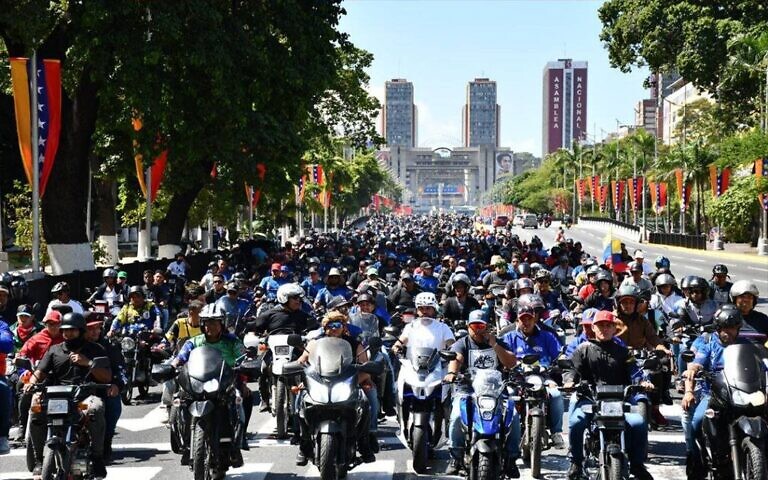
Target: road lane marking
{"points": [[119, 473], [153, 419], [757, 268], [250, 471]]}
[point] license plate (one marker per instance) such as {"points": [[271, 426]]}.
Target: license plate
{"points": [[57, 421], [282, 350]]}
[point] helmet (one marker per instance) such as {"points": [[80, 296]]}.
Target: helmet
{"points": [[564, 258], [719, 269], [635, 267], [60, 287], [685, 282], [593, 270], [728, 315], [136, 289], [19, 288], [744, 286], [530, 302], [73, 320], [426, 299], [662, 262], [288, 290], [699, 284], [365, 297], [524, 269], [461, 278], [109, 273], [535, 267], [524, 283], [626, 291], [543, 275], [604, 275], [212, 312], [665, 279]]}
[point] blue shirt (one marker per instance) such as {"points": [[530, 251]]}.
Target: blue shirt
{"points": [[428, 284], [271, 284], [312, 289], [542, 342], [6, 338], [326, 294], [709, 355]]}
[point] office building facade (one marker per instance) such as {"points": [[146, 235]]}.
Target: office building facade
{"points": [[565, 104], [399, 115], [480, 115]]}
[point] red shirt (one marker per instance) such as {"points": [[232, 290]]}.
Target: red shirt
{"points": [[35, 347]]}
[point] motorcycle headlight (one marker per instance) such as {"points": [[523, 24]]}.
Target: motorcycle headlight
{"points": [[58, 407], [127, 344], [341, 392], [211, 385], [534, 382], [196, 385], [742, 399], [486, 403], [612, 409]]}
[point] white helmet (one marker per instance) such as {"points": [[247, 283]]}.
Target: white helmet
{"points": [[212, 311], [426, 299], [744, 286], [288, 290]]}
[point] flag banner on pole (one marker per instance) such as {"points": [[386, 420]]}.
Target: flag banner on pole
{"points": [[652, 187], [612, 251], [214, 170], [328, 189], [663, 198], [719, 181], [157, 173], [580, 186], [683, 190], [604, 193], [658, 195], [595, 190], [635, 185], [319, 179], [302, 184], [761, 171], [617, 187], [261, 172], [48, 114]]}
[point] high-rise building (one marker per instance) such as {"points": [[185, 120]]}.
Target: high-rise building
{"points": [[480, 114], [565, 104], [645, 115], [399, 115]]}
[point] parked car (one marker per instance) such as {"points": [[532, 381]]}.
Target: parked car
{"points": [[518, 221], [530, 220], [501, 221]]}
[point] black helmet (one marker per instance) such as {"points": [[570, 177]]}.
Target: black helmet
{"points": [[73, 320], [728, 315], [604, 274], [719, 269], [524, 270], [60, 287], [136, 289], [19, 287], [698, 283], [635, 267], [685, 282], [662, 262]]}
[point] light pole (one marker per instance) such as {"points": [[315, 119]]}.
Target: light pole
{"points": [[762, 243]]}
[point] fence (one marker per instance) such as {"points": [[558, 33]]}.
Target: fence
{"points": [[698, 242], [622, 229]]}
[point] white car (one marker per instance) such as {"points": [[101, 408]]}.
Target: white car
{"points": [[531, 221], [518, 221]]}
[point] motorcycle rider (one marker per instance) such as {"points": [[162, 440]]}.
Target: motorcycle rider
{"points": [[745, 294], [665, 299], [138, 310], [727, 321], [233, 306], [185, 328], [334, 286], [551, 299], [562, 272], [70, 363], [312, 284], [214, 335], [602, 297], [719, 286], [589, 287], [6, 347], [62, 294], [113, 406], [481, 349], [459, 305], [406, 292], [636, 278], [110, 291], [273, 282], [25, 327], [334, 324], [531, 338], [427, 279], [603, 361], [499, 276], [428, 331]]}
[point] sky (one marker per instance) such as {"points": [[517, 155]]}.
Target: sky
{"points": [[440, 45]]}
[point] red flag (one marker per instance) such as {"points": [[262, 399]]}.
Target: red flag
{"points": [[595, 190], [580, 185], [719, 181], [663, 195], [635, 185], [327, 193], [604, 192], [683, 190], [617, 187]]}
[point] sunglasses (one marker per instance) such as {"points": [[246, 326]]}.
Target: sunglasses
{"points": [[334, 325]]}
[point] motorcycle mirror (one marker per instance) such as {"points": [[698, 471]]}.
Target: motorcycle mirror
{"points": [[251, 340], [22, 362], [461, 334], [390, 330], [448, 355], [100, 362], [295, 340], [565, 363], [163, 372], [531, 358], [687, 356], [374, 344], [651, 364], [372, 368]]}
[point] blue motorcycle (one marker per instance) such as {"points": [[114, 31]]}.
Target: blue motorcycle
{"points": [[486, 416]]}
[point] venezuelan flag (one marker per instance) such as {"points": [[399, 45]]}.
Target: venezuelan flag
{"points": [[612, 250]]}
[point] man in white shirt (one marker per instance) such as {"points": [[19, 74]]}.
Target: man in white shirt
{"points": [[426, 331], [61, 292], [639, 257]]}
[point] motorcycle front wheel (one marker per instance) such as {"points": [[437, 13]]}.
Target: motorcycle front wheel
{"points": [[615, 467], [537, 442], [127, 394], [754, 464], [201, 454], [326, 459], [486, 467], [55, 464], [281, 408], [420, 442]]}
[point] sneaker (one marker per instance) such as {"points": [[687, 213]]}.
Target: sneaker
{"points": [[301, 459], [575, 472], [374, 442], [640, 473], [98, 468], [264, 407], [4, 446], [454, 467], [557, 440], [511, 470], [658, 418], [38, 469], [185, 460]]}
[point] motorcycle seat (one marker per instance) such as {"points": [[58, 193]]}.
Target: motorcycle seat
{"points": [[609, 391]]}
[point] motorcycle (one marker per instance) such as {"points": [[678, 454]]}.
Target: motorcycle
{"points": [[421, 397], [276, 347], [737, 411], [332, 402], [657, 367], [67, 452], [136, 343], [207, 419], [486, 416]]}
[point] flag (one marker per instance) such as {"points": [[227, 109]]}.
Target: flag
{"points": [[604, 196], [635, 185], [327, 193], [683, 190], [318, 178], [617, 187], [612, 251], [719, 181], [157, 172], [658, 195], [662, 195], [48, 94], [580, 186], [595, 190], [214, 170], [761, 170], [652, 187], [253, 193]]}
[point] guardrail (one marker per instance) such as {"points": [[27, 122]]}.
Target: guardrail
{"points": [[698, 242], [621, 229]]}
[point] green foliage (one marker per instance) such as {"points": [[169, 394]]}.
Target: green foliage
{"points": [[18, 204], [132, 205], [736, 209]]}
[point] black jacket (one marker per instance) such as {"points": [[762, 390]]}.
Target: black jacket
{"points": [[280, 318], [603, 363]]}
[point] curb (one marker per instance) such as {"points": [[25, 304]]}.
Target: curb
{"points": [[753, 257]]}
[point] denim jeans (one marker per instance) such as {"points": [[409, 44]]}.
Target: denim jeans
{"points": [[5, 406], [373, 401], [113, 408], [456, 430], [636, 434], [556, 407], [692, 420]]}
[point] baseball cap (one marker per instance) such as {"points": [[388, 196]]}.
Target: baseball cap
{"points": [[588, 316], [425, 265], [3, 288], [312, 269], [92, 318], [122, 274], [604, 316], [24, 310], [476, 316], [639, 254], [53, 316], [275, 266], [334, 272], [231, 287], [372, 271], [284, 268]]}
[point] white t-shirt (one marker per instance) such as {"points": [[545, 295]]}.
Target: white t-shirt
{"points": [[433, 335], [73, 304], [178, 268]]}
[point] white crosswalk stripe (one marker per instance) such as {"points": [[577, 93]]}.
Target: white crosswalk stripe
{"points": [[113, 473]]}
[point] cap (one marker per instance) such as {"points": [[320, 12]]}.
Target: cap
{"points": [[639, 254], [588, 316], [406, 276], [372, 271], [603, 316], [92, 318], [231, 287], [425, 265], [53, 316], [460, 269], [284, 268], [122, 274], [24, 310], [4, 288], [275, 266], [312, 269], [334, 272], [476, 316]]}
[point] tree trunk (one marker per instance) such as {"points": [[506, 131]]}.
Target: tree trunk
{"points": [[105, 206], [171, 227]]}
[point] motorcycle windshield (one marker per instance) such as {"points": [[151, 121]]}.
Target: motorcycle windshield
{"points": [[367, 322], [487, 382], [330, 356], [742, 368], [205, 363], [422, 358]]}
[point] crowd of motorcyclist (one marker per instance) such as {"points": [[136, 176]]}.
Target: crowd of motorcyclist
{"points": [[487, 300]]}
